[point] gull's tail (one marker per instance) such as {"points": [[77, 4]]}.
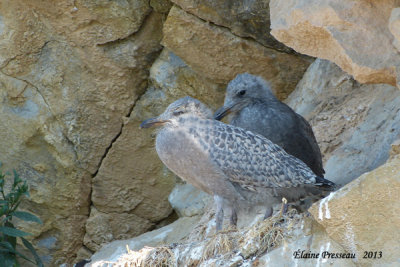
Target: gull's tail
{"points": [[325, 184]]}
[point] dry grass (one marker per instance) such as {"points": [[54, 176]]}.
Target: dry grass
{"points": [[265, 235], [148, 256], [254, 241], [220, 244], [224, 246], [160, 257], [202, 229]]}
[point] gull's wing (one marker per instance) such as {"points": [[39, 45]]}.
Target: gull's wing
{"points": [[312, 141], [251, 160]]}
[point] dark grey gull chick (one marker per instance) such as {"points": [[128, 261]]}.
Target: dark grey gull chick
{"points": [[239, 168], [254, 107]]}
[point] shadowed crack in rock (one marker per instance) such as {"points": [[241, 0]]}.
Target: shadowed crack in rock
{"points": [[129, 35], [39, 52], [69, 141], [248, 38]]}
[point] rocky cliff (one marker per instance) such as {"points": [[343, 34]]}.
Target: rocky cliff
{"points": [[360, 143], [78, 77]]}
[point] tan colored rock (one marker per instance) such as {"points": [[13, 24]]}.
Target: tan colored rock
{"points": [[353, 34], [83, 254], [171, 79], [30, 136], [129, 183], [395, 148], [354, 124], [363, 216], [132, 180], [105, 227], [394, 26], [161, 6], [92, 22], [243, 18], [63, 99], [217, 54], [67, 232]]}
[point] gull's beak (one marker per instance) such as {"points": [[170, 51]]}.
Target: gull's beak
{"points": [[222, 112], [152, 122]]}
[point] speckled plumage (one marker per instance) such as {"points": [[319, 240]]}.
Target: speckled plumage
{"points": [[229, 162], [254, 107]]}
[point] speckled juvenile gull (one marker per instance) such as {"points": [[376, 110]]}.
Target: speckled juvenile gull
{"points": [[254, 107], [239, 168]]}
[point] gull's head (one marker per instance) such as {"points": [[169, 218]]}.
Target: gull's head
{"points": [[245, 89], [183, 107]]}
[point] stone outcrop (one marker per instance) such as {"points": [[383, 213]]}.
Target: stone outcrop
{"points": [[310, 238], [73, 83], [346, 223], [249, 19], [217, 54], [363, 216], [188, 201], [281, 237], [132, 186], [171, 233], [394, 26], [353, 34], [341, 223], [355, 124], [69, 72], [78, 77]]}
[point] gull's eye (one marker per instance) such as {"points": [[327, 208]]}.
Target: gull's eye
{"points": [[241, 93], [177, 112]]}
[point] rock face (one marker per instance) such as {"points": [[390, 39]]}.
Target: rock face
{"points": [[394, 26], [331, 229], [166, 235], [218, 55], [244, 246], [344, 114], [245, 19], [355, 124], [132, 184], [78, 77], [363, 216], [310, 238], [353, 34], [347, 222], [73, 79], [69, 72], [188, 201]]}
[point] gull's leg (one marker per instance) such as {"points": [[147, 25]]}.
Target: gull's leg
{"points": [[284, 208], [219, 218], [219, 215], [233, 218]]}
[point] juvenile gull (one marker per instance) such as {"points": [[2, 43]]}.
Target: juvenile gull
{"points": [[239, 168], [254, 107]]}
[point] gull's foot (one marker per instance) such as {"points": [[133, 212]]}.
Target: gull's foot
{"points": [[284, 207]]}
